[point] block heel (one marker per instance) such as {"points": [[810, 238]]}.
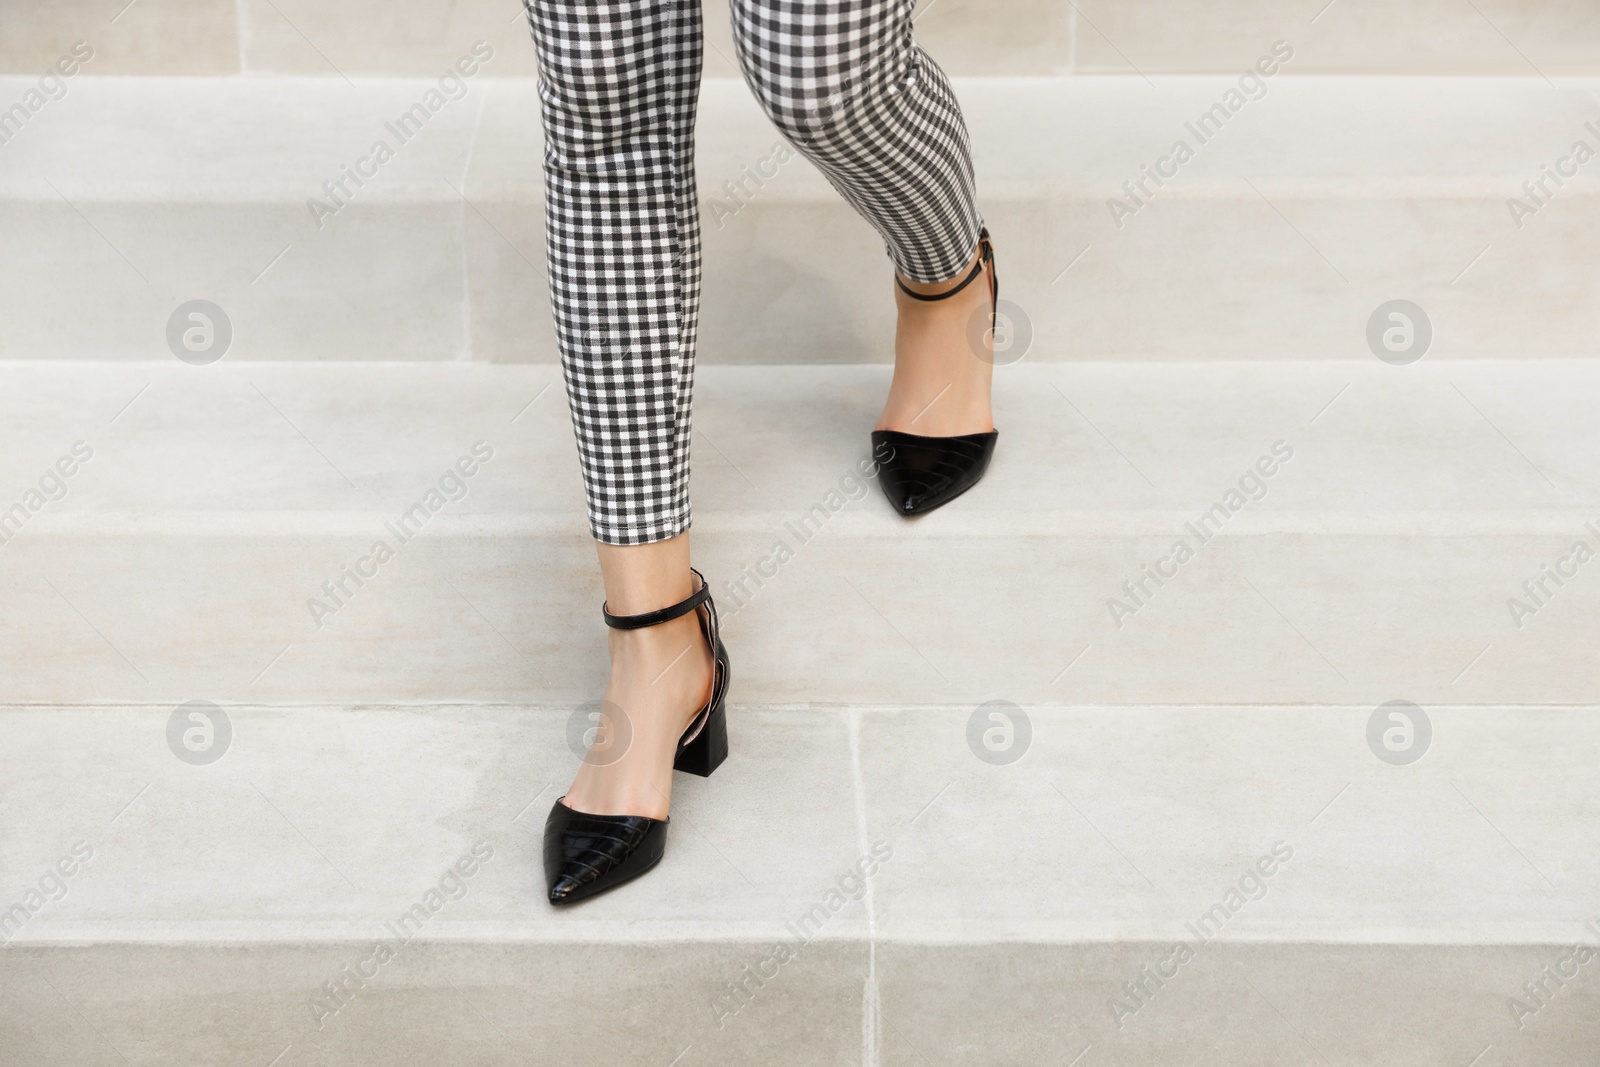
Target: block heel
{"points": [[703, 752]]}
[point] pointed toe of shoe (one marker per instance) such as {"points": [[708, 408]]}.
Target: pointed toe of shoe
{"points": [[905, 501], [919, 474], [566, 886], [908, 500], [585, 855]]}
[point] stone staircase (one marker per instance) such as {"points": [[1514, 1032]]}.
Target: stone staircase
{"points": [[1019, 782]]}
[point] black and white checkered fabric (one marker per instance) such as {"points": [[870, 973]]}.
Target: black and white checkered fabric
{"points": [[842, 79]]}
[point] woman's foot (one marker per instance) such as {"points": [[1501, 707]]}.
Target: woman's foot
{"points": [[943, 359], [661, 678]]}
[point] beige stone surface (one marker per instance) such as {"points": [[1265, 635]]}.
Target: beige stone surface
{"points": [[966, 37], [1380, 563], [1015, 903], [1278, 240], [190, 37]]}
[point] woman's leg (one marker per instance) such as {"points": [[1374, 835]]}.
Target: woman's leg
{"points": [[846, 83], [618, 87]]}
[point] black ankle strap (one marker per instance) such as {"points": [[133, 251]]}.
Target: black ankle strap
{"points": [[667, 614], [985, 256]]}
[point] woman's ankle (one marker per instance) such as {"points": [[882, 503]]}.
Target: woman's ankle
{"points": [[943, 360], [670, 658], [648, 577]]}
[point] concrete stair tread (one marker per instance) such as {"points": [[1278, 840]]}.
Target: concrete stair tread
{"points": [[197, 553], [238, 911], [1309, 209], [1479, 445], [1139, 820]]}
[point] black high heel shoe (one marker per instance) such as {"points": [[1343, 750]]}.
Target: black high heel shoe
{"points": [[920, 473], [588, 854]]}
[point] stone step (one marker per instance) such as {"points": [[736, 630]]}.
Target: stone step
{"points": [[1417, 543], [1190, 886], [415, 38], [1308, 210]]}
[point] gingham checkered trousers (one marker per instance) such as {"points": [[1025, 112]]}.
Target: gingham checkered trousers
{"points": [[843, 81]]}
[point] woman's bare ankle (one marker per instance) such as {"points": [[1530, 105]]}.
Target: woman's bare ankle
{"points": [[944, 360], [663, 665]]}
